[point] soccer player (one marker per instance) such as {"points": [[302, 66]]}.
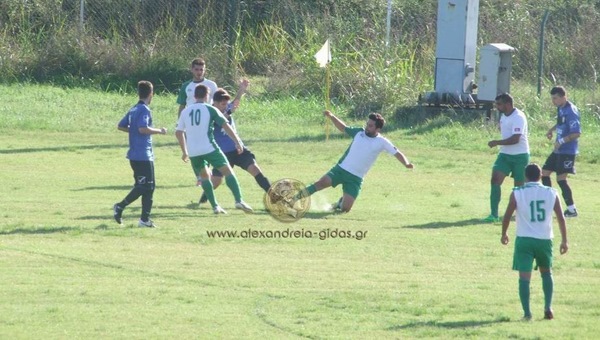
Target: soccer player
{"points": [[196, 122], [514, 151], [138, 123], [562, 159], [533, 203], [350, 170], [186, 92], [246, 160]]}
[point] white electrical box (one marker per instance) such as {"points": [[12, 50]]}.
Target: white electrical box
{"points": [[495, 66]]}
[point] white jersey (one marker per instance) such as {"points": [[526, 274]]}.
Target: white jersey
{"points": [[197, 121], [186, 92], [535, 206], [515, 124], [362, 153]]}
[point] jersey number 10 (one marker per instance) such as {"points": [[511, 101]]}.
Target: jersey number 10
{"points": [[195, 117]]}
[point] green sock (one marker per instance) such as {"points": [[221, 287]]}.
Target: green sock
{"points": [[209, 192], [311, 189], [495, 199], [234, 186], [548, 287], [524, 296]]}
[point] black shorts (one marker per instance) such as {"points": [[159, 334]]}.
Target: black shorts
{"points": [[243, 160], [560, 163], [143, 173]]}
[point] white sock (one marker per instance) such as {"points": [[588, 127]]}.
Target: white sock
{"points": [[571, 208]]}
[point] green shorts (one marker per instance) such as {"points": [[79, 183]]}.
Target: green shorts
{"points": [[216, 158], [350, 183], [513, 165], [527, 249]]}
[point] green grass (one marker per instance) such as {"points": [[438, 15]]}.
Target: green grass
{"points": [[426, 268]]}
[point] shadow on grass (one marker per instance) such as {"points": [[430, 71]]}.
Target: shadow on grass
{"points": [[74, 148], [128, 187], [37, 231], [449, 324], [438, 225], [316, 215]]}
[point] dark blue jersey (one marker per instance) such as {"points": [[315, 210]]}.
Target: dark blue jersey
{"points": [[567, 122], [140, 145], [225, 143]]}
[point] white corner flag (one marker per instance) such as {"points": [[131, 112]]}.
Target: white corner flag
{"points": [[323, 57]]}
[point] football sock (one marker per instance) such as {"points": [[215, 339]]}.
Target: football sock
{"points": [[566, 192], [546, 181], [548, 287], [209, 192], [571, 208], [147, 205], [262, 181], [495, 199], [234, 186], [524, 296]]}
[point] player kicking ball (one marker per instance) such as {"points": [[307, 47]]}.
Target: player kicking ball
{"points": [[367, 144]]}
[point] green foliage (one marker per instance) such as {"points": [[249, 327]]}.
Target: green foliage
{"points": [[121, 41]]}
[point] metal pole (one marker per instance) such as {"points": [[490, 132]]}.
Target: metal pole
{"points": [[81, 13], [541, 54], [388, 23]]}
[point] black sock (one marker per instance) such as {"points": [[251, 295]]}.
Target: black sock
{"points": [[546, 181], [566, 192], [262, 181], [147, 205]]}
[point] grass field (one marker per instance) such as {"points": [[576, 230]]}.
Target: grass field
{"points": [[426, 266]]}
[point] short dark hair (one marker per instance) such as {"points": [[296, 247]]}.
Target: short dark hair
{"points": [[220, 95], [201, 91], [378, 119], [505, 98], [533, 172], [198, 61], [559, 90], [144, 89]]}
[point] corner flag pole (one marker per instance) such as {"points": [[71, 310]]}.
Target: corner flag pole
{"points": [[327, 98], [323, 57]]}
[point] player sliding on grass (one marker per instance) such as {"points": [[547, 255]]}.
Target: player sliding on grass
{"points": [[350, 170], [195, 133], [534, 204]]}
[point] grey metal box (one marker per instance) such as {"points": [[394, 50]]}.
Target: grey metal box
{"points": [[456, 45], [495, 66]]}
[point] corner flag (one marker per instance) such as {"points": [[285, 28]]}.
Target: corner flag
{"points": [[323, 57]]}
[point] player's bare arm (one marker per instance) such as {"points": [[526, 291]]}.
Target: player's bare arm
{"points": [[243, 87], [549, 134], [510, 209], [571, 137], [340, 125], [514, 139], [152, 131], [182, 144], [404, 160], [181, 107], [562, 225]]}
